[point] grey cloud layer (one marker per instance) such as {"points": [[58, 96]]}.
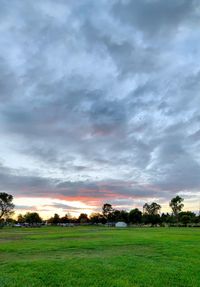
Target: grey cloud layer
{"points": [[88, 191], [98, 90]]}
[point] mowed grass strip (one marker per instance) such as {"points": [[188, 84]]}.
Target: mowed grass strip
{"points": [[94, 256]]}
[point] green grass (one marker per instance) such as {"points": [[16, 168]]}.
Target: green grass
{"points": [[99, 257]]}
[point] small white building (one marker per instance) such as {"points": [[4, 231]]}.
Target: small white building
{"points": [[121, 224]]}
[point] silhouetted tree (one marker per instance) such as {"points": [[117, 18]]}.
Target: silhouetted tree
{"points": [[54, 220], [166, 218], [20, 218], [107, 211], [10, 221], [151, 209], [186, 217], [83, 218], [135, 216], [32, 217], [97, 218], [151, 213], [64, 219], [6, 204], [121, 215], [176, 205]]}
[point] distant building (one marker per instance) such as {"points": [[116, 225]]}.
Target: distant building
{"points": [[121, 224]]}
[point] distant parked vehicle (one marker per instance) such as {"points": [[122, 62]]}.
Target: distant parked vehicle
{"points": [[17, 225], [66, 224]]}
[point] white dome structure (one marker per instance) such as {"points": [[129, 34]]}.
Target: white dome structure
{"points": [[121, 224]]}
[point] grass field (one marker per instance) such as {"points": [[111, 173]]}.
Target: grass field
{"points": [[103, 257]]}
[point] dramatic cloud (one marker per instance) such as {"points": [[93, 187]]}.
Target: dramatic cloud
{"points": [[99, 101]]}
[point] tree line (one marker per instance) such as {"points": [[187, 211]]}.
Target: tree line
{"points": [[150, 215]]}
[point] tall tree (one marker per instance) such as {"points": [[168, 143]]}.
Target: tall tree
{"points": [[6, 205], [20, 218], [107, 211], [32, 217], [83, 218], [135, 216], [151, 213], [176, 205], [55, 219], [151, 209]]}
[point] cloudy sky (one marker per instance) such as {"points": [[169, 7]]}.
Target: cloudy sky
{"points": [[99, 102]]}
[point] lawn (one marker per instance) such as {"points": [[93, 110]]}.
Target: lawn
{"points": [[99, 257]]}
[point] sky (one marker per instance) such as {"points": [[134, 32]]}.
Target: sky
{"points": [[99, 102]]}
